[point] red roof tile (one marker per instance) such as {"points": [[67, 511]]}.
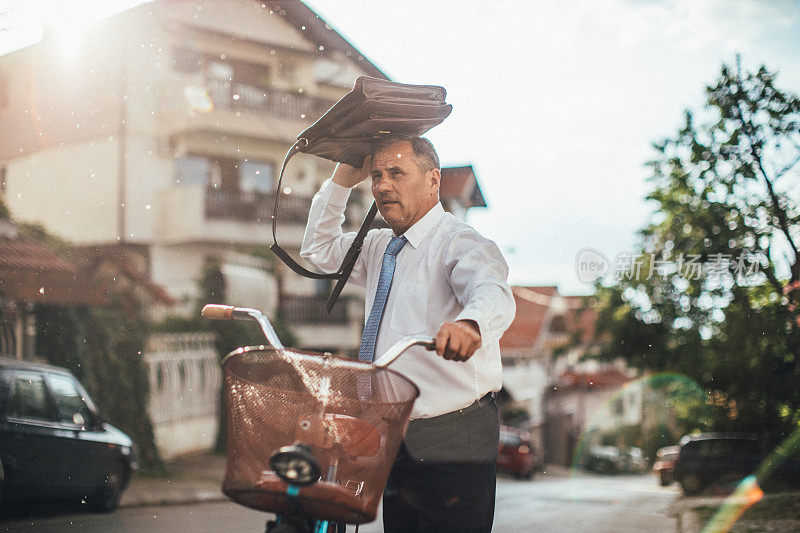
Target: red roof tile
{"points": [[107, 262], [460, 183], [532, 305], [30, 272], [599, 380], [26, 254]]}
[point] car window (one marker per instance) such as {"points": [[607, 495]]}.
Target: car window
{"points": [[72, 407], [29, 398]]}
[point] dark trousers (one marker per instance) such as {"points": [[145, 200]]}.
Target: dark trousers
{"points": [[444, 476]]}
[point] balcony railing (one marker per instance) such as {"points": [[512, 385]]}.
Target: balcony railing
{"points": [[253, 206], [310, 310], [229, 96]]}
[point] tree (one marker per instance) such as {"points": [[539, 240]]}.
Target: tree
{"points": [[714, 294]]}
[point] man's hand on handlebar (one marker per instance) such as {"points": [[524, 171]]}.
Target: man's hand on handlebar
{"points": [[457, 341], [349, 176]]}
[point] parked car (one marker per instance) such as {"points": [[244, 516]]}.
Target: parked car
{"points": [[604, 460], [715, 458], [516, 454], [633, 460], [664, 467], [720, 458], [53, 441]]}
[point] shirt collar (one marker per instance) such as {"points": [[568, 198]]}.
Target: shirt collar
{"points": [[416, 233]]}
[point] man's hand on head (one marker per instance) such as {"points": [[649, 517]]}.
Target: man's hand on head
{"points": [[458, 340], [350, 176]]}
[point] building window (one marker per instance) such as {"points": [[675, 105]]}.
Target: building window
{"points": [[192, 169], [225, 173], [256, 176]]}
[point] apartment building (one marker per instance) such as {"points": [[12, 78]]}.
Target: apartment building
{"points": [[160, 133]]}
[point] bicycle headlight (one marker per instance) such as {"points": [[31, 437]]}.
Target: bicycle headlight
{"points": [[295, 464]]}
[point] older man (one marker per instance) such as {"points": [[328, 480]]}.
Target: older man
{"points": [[429, 274]]}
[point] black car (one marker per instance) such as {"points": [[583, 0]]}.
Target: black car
{"points": [[710, 458], [53, 442]]}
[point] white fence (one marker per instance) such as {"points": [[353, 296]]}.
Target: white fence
{"points": [[185, 380]]}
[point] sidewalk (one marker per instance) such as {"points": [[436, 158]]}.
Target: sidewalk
{"points": [[192, 479], [774, 512]]}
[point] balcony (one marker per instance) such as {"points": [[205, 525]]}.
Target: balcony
{"points": [[236, 108], [337, 332], [227, 96], [253, 206], [195, 213]]}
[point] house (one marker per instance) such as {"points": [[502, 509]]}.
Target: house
{"points": [[546, 377]]}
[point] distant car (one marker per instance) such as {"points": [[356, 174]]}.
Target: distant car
{"points": [[604, 460], [664, 467], [710, 458], [516, 454], [633, 460], [53, 442]]}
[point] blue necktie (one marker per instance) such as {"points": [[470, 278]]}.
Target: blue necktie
{"points": [[367, 351]]}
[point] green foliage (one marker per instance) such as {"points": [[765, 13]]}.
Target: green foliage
{"points": [[103, 347], [723, 189]]}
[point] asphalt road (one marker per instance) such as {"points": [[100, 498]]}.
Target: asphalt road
{"points": [[579, 504]]}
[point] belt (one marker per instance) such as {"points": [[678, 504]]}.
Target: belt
{"points": [[480, 402]]}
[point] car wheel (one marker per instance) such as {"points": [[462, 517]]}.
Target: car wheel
{"points": [[691, 484], [107, 496]]}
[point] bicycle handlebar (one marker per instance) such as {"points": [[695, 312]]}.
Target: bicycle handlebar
{"points": [[229, 312]]}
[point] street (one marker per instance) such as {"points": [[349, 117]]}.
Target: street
{"points": [[581, 504]]}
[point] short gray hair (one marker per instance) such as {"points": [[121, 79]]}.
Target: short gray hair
{"points": [[424, 152]]}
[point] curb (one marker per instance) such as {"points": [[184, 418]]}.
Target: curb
{"points": [[174, 497]]}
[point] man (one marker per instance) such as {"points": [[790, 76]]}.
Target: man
{"points": [[429, 274]]}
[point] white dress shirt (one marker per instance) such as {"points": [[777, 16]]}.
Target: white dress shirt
{"points": [[446, 272]]}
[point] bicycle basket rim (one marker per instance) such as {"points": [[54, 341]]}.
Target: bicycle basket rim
{"points": [[305, 353]]}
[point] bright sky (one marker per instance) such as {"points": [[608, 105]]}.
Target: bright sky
{"points": [[555, 103]]}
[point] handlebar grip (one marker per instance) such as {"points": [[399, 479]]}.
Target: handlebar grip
{"points": [[217, 312]]}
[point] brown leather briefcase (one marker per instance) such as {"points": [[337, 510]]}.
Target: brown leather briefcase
{"points": [[345, 134], [374, 107]]}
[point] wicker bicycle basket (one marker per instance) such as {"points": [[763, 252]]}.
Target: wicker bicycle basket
{"points": [[351, 415]]}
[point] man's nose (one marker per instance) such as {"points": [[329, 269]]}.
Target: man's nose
{"points": [[381, 184]]}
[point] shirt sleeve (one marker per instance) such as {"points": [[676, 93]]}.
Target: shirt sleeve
{"points": [[478, 274], [324, 243]]}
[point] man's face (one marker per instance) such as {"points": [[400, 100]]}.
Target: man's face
{"points": [[402, 190]]}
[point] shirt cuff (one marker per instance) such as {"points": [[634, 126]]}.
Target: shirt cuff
{"points": [[467, 315], [337, 194]]}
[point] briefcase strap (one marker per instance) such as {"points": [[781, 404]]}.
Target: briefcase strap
{"points": [[352, 254]]}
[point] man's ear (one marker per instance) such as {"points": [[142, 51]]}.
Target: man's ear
{"points": [[435, 175]]}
